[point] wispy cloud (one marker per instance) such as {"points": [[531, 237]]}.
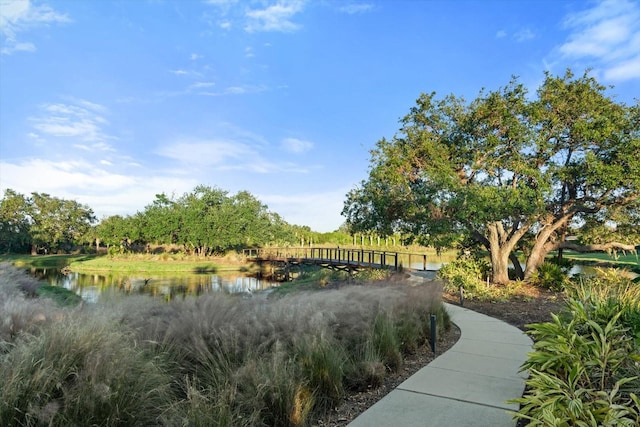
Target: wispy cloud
{"points": [[19, 16], [276, 17], [608, 33], [81, 121], [295, 145], [96, 184], [355, 8], [235, 90], [295, 207], [523, 35]]}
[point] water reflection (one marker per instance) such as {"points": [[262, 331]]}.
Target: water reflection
{"points": [[92, 286]]}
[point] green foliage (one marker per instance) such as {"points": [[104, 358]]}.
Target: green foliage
{"points": [[14, 223], [608, 294], [470, 273], [44, 223], [584, 368], [505, 170], [62, 296], [552, 276], [207, 221]]}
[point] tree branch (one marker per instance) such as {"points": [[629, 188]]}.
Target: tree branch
{"points": [[597, 247]]}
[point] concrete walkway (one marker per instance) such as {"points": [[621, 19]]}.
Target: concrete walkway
{"points": [[466, 386]]}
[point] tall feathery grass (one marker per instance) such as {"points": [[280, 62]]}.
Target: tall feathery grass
{"points": [[214, 360]]}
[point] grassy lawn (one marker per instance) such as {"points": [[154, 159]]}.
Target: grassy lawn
{"points": [[602, 257], [155, 264], [128, 264], [43, 261]]}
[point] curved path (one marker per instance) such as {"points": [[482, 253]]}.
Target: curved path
{"points": [[466, 386]]}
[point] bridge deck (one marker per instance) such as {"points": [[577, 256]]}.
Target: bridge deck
{"points": [[337, 258]]}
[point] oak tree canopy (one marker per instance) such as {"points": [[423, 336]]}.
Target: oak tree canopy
{"points": [[509, 171]]}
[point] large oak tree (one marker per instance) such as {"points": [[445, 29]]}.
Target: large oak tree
{"points": [[506, 170]]}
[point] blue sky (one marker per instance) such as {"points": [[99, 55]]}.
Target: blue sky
{"points": [[111, 102]]}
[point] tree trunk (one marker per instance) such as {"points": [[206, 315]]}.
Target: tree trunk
{"points": [[500, 244], [516, 266], [535, 260], [543, 244], [500, 265], [34, 249]]}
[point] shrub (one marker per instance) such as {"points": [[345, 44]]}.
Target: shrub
{"points": [[608, 293], [584, 368], [471, 273], [551, 276]]}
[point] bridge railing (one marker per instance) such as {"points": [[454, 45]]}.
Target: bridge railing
{"points": [[363, 257]]}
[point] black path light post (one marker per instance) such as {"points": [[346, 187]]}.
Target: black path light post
{"points": [[434, 323]]}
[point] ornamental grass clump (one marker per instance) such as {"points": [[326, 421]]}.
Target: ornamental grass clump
{"points": [[284, 360], [81, 371], [585, 367], [220, 359]]}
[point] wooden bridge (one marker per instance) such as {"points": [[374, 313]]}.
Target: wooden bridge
{"points": [[283, 261]]}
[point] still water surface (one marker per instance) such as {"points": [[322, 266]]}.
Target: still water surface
{"points": [[92, 286]]}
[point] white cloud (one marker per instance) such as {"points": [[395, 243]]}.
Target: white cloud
{"points": [[524, 35], [320, 211], [200, 85], [608, 33], [355, 8], [18, 47], [222, 155], [235, 90], [19, 16], [277, 17], [221, 2], [82, 122], [625, 70], [295, 145], [500, 34], [195, 56], [106, 192]]}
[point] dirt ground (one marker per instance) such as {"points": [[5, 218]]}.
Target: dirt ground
{"points": [[534, 306]]}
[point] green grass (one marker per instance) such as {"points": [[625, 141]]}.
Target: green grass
{"points": [[621, 259], [164, 263], [43, 261], [62, 296]]}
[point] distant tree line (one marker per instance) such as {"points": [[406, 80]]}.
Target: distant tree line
{"points": [[41, 223], [203, 222]]}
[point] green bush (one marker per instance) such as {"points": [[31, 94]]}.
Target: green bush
{"points": [[470, 273], [551, 276], [585, 366], [608, 293]]}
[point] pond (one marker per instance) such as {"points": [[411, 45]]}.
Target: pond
{"points": [[92, 286]]}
